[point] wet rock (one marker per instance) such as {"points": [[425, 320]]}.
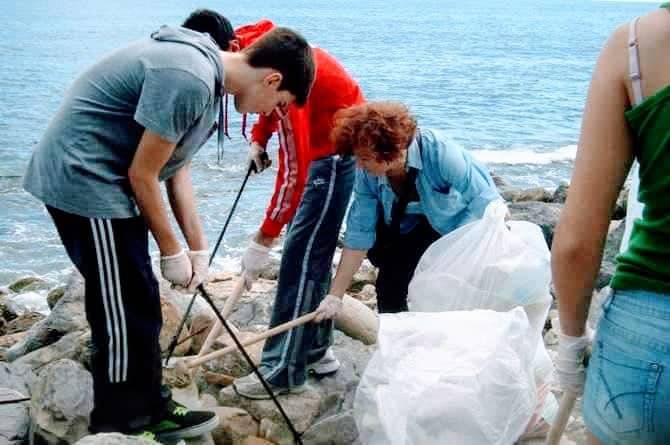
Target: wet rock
{"points": [[54, 295], [23, 322], [62, 400], [498, 180], [27, 284], [561, 193], [68, 315]]}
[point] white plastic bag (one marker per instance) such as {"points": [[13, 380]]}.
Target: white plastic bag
{"points": [[483, 265], [452, 378]]}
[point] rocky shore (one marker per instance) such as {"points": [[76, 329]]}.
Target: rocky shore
{"points": [[47, 357]]}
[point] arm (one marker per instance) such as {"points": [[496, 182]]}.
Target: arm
{"points": [[350, 262], [152, 154], [603, 160], [263, 129], [183, 204]]}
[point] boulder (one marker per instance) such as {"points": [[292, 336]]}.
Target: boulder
{"points": [[171, 318], [28, 284], [561, 193], [68, 315], [23, 322], [73, 346], [234, 427], [15, 382], [62, 400], [543, 214], [339, 429], [513, 194], [54, 295]]}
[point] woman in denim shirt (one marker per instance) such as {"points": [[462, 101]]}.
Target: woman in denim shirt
{"points": [[449, 189]]}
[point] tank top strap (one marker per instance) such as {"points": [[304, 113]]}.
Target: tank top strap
{"points": [[634, 62]]}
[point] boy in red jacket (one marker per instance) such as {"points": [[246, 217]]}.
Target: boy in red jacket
{"points": [[312, 191]]}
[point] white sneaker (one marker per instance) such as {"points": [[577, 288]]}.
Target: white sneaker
{"points": [[326, 365], [252, 388]]}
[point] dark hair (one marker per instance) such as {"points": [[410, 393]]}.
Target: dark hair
{"points": [[212, 23], [288, 52], [381, 129]]}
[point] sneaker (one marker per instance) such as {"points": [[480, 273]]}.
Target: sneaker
{"points": [[252, 388], [326, 365], [178, 422]]}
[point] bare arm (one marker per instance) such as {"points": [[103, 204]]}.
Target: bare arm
{"points": [[603, 160], [350, 262], [152, 154], [183, 203]]}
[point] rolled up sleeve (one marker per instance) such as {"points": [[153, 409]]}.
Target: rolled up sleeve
{"points": [[363, 213]]}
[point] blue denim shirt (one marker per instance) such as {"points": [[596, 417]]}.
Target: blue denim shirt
{"points": [[453, 188]]}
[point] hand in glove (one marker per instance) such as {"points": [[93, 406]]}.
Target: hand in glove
{"points": [[258, 157], [200, 265], [253, 261], [570, 362], [177, 268], [329, 308]]}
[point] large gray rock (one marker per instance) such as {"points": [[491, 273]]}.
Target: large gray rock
{"points": [[23, 322], [339, 429], [545, 215], [561, 193], [68, 315], [62, 400], [234, 427], [114, 439], [73, 346], [28, 284], [513, 194], [15, 417]]}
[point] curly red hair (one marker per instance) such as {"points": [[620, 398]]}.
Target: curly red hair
{"points": [[380, 129]]}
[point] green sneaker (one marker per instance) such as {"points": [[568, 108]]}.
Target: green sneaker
{"points": [[179, 422]]}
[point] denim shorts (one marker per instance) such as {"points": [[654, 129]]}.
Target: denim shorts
{"points": [[627, 394]]}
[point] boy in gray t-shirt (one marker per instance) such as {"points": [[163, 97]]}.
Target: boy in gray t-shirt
{"points": [[133, 119]]}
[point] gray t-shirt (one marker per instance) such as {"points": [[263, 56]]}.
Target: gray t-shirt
{"points": [[169, 83]]}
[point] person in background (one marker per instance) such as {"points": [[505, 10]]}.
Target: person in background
{"points": [[412, 186], [627, 116], [312, 190], [136, 118]]}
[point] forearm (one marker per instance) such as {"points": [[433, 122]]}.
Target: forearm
{"points": [[575, 266], [350, 262], [183, 204], [150, 202]]}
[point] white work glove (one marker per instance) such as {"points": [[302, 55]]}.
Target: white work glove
{"points": [[253, 261], [177, 268], [570, 362], [258, 157], [200, 265], [329, 308]]}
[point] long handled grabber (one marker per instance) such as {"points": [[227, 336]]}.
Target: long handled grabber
{"points": [[175, 338], [238, 345], [564, 410]]}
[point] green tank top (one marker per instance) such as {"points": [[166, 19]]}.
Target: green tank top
{"points": [[646, 263]]}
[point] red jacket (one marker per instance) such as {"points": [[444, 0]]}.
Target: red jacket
{"points": [[304, 133]]}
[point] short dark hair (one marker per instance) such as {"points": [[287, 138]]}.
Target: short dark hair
{"points": [[288, 52], [212, 23]]}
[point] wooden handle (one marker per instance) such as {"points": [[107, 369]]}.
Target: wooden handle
{"points": [[561, 421], [269, 333], [238, 290]]}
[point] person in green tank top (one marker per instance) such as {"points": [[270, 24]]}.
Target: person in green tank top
{"points": [[627, 118]]}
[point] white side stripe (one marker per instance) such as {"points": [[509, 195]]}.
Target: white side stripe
{"points": [[112, 302], [103, 288], [119, 302]]}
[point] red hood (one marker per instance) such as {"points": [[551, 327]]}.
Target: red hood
{"points": [[248, 34]]}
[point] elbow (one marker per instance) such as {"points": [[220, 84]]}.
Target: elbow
{"points": [[138, 178], [573, 251]]}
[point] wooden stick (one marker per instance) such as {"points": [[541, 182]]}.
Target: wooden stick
{"points": [[562, 418], [269, 333], [238, 290]]}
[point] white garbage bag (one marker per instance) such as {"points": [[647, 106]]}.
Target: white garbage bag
{"points": [[448, 378]]}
